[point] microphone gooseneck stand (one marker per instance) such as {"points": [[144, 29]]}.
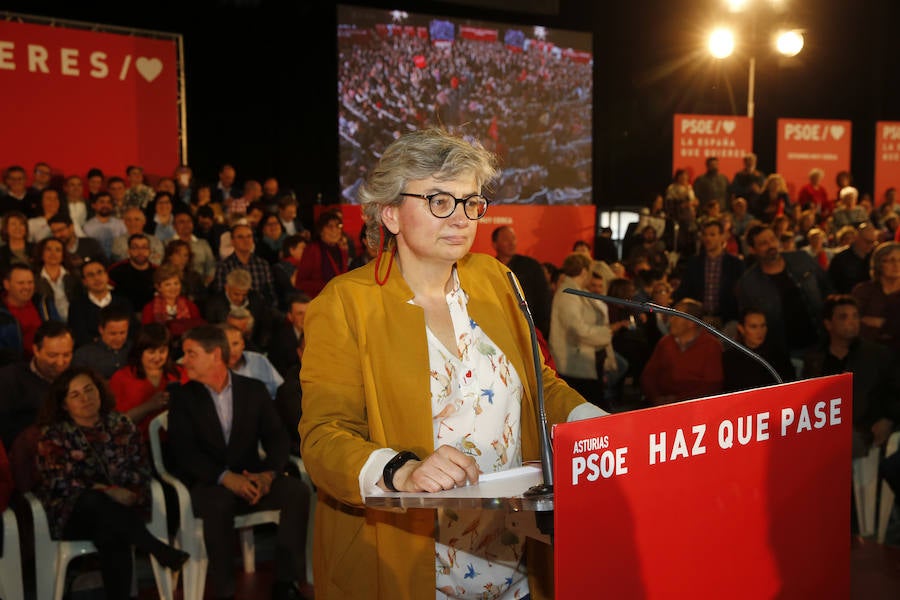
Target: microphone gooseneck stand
{"points": [[650, 308], [543, 519]]}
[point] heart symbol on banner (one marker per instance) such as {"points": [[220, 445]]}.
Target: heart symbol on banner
{"points": [[837, 131], [728, 126], [149, 68]]}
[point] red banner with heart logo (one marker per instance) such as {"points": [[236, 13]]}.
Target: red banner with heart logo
{"points": [[698, 137], [807, 144], [78, 99], [887, 157]]}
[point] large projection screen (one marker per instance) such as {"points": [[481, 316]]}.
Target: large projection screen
{"points": [[525, 92]]}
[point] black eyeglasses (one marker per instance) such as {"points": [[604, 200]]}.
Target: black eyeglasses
{"points": [[443, 204]]}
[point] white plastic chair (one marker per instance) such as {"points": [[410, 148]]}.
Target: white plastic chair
{"points": [[11, 562], [887, 494], [304, 477], [865, 490], [190, 533], [56, 555]]}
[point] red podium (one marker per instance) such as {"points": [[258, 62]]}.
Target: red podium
{"points": [[743, 495]]}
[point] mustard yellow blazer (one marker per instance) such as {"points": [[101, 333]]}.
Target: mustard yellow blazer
{"points": [[365, 380]]}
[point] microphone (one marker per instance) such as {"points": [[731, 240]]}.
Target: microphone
{"points": [[650, 308], [546, 449]]}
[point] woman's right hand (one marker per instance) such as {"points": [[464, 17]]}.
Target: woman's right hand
{"points": [[445, 469]]}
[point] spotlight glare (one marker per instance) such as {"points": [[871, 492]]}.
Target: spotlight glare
{"points": [[737, 5], [721, 43], [789, 43]]}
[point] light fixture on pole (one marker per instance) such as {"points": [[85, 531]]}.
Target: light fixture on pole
{"points": [[721, 45], [789, 43]]}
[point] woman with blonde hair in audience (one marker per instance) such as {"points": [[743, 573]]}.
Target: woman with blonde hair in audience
{"points": [[94, 478], [879, 299], [169, 307], [773, 200], [139, 388], [16, 247], [55, 277]]}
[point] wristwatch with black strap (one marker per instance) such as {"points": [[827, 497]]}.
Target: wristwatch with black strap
{"points": [[393, 465]]}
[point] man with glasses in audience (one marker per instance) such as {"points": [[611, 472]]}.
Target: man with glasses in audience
{"points": [[244, 258]]}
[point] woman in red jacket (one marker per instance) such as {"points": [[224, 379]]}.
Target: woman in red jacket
{"points": [[139, 388], [325, 258]]}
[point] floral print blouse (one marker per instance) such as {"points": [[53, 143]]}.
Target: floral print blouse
{"points": [[476, 398], [71, 459]]}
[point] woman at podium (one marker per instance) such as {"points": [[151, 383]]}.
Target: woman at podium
{"points": [[417, 377]]}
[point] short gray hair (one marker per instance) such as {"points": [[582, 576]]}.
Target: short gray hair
{"points": [[239, 278], [418, 155]]}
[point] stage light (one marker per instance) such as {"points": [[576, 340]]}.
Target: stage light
{"points": [[737, 5], [721, 43], [789, 43]]}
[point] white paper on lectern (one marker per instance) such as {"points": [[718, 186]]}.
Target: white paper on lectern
{"points": [[504, 484]]}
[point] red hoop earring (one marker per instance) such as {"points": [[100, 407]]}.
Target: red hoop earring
{"points": [[381, 250]]}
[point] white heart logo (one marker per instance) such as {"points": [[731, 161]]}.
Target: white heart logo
{"points": [[837, 131], [149, 68], [728, 126]]}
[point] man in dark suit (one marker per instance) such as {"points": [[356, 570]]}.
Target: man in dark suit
{"points": [[286, 339], [216, 423], [530, 274], [717, 294]]}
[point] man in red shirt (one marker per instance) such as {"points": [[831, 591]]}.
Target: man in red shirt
{"points": [[686, 363], [21, 313]]}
